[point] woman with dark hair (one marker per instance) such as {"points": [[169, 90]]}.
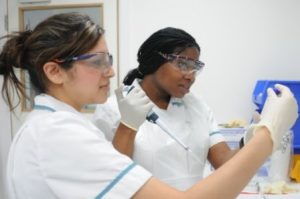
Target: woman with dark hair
{"points": [[58, 153], [168, 66], [168, 63]]}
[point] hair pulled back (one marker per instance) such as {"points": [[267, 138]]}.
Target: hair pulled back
{"points": [[168, 40], [58, 37]]}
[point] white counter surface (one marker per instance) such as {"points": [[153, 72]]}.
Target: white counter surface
{"points": [[251, 193], [268, 196]]}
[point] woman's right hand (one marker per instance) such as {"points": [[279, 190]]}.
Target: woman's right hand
{"points": [[134, 107]]}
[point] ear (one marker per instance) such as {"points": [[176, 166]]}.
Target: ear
{"points": [[53, 72]]}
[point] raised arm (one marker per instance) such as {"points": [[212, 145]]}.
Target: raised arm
{"points": [[227, 181], [134, 109], [219, 154]]}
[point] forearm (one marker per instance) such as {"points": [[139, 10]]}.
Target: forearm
{"points": [[219, 154], [279, 115], [123, 140], [226, 156], [226, 182], [234, 175]]}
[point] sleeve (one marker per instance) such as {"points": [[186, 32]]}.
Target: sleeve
{"points": [[77, 162], [204, 110], [215, 135], [107, 117]]}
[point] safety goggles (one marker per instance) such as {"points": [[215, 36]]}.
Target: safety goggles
{"points": [[185, 64], [100, 60]]}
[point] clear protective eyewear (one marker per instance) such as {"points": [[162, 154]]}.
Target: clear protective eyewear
{"points": [[185, 64], [100, 60]]}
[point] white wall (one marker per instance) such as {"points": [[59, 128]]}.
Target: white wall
{"points": [[241, 40], [5, 130]]}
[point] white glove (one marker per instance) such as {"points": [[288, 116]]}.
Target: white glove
{"points": [[256, 117], [134, 107], [278, 115]]}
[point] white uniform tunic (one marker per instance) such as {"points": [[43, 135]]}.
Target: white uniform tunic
{"points": [[189, 119], [58, 153]]}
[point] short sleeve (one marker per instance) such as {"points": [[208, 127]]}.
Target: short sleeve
{"points": [[78, 162], [107, 117], [215, 135]]}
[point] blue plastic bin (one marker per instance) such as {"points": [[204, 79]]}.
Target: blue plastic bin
{"points": [[259, 97]]}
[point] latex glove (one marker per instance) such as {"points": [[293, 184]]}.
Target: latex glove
{"points": [[256, 117], [134, 107], [279, 114]]}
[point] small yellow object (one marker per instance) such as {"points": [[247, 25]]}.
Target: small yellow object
{"points": [[279, 187], [295, 173], [235, 124]]}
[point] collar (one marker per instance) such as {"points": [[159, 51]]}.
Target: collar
{"points": [[49, 103], [174, 101]]}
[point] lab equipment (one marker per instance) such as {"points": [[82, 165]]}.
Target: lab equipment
{"points": [[259, 96], [278, 166], [280, 160], [154, 118], [272, 116], [185, 64], [295, 173]]}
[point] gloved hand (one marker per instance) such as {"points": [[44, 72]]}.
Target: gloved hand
{"points": [[134, 107], [256, 117], [278, 115]]}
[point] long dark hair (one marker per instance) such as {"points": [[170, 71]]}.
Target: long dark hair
{"points": [[168, 40], [58, 37]]}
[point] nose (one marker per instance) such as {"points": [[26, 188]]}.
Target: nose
{"points": [[191, 75], [109, 72]]}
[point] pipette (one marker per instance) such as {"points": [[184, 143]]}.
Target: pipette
{"points": [[154, 118]]}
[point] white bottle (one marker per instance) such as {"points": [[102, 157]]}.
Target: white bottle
{"points": [[280, 160]]}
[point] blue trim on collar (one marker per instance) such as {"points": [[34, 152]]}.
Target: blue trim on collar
{"points": [[115, 181], [214, 133], [177, 104], [42, 107], [176, 101]]}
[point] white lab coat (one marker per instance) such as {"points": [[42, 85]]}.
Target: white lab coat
{"points": [[58, 153], [188, 118]]}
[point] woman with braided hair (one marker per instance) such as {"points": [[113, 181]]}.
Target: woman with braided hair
{"points": [[168, 65]]}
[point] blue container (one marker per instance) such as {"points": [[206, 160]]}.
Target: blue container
{"points": [[259, 97]]}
